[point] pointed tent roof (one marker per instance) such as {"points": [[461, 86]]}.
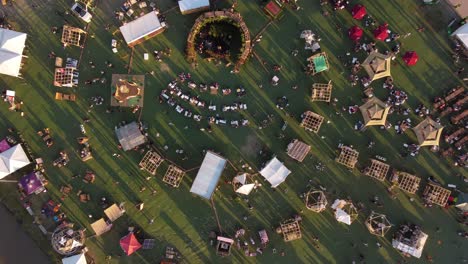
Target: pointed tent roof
{"points": [[246, 186], [77, 259], [374, 112], [462, 202], [12, 160], [410, 58], [11, 51], [428, 132], [355, 33], [381, 33], [358, 12], [462, 35], [377, 65], [129, 244]]}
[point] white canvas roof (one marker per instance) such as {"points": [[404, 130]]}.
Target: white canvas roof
{"points": [[187, 5], [415, 252], [462, 35], [11, 51], [77, 259], [342, 216], [275, 172], [208, 175], [140, 27], [12, 160], [245, 188]]}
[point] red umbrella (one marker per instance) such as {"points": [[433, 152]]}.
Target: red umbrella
{"points": [[358, 12], [410, 58], [381, 32], [355, 33], [129, 244]]}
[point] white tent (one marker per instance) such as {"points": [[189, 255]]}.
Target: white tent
{"points": [[342, 216], [413, 251], [190, 6], [208, 175], [462, 202], [77, 259], [12, 44], [245, 188], [275, 172], [462, 35], [141, 27], [12, 160]]}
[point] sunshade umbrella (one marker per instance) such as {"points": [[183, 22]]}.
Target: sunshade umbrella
{"points": [[410, 58], [381, 32], [358, 12], [355, 33], [129, 244]]}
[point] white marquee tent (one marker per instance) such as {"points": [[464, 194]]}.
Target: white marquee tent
{"points": [[275, 172], [245, 187], [413, 251], [140, 28], [12, 160], [12, 44], [77, 259], [208, 175], [462, 35], [189, 6]]}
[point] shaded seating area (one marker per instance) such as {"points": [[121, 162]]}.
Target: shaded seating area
{"points": [[377, 170], [348, 157], [311, 121], [345, 211], [243, 183], [317, 63], [316, 201], [436, 194], [378, 224], [406, 182], [67, 241], [290, 229], [275, 172], [321, 92], [150, 162], [173, 176], [377, 65], [410, 240], [428, 132], [298, 150], [130, 136], [73, 36], [374, 112], [223, 247]]}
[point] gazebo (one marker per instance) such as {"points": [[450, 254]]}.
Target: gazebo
{"points": [[129, 244], [151, 161], [348, 157], [173, 176], [345, 211], [243, 183], [298, 150], [355, 33], [321, 92], [428, 132], [406, 182], [377, 65], [358, 12], [130, 136], [410, 58], [290, 229], [378, 224], [67, 241], [377, 170], [73, 36], [374, 112], [317, 63], [311, 121], [410, 240], [316, 201], [436, 194], [381, 32]]}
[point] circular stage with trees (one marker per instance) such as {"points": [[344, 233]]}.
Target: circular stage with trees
{"points": [[220, 35]]}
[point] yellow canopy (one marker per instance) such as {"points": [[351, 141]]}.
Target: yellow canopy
{"points": [[428, 132], [377, 65], [374, 112]]}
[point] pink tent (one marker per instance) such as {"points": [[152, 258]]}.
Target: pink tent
{"points": [[4, 145], [410, 58], [381, 32], [358, 12], [129, 244], [355, 33]]}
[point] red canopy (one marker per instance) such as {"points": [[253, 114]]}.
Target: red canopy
{"points": [[410, 58], [381, 32], [355, 33], [129, 244], [358, 12]]}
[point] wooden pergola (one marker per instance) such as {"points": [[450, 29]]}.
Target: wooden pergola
{"points": [[428, 132], [317, 63], [73, 36], [378, 224], [377, 170], [290, 229], [173, 176], [64, 77], [374, 112], [436, 194], [377, 65], [407, 182], [151, 161], [311, 121], [298, 150], [321, 92], [316, 201], [348, 157]]}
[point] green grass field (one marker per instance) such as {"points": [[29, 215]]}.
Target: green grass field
{"points": [[185, 221]]}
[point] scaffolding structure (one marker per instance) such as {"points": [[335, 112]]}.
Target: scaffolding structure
{"points": [[66, 77], [73, 36], [173, 176], [377, 170], [378, 224], [311, 121], [316, 201], [321, 92], [436, 194], [298, 150], [317, 63], [151, 161], [348, 157], [408, 182], [290, 229], [67, 241]]}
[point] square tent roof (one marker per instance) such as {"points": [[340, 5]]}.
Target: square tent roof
{"points": [[186, 6], [141, 27], [113, 212], [31, 183], [130, 136], [12, 160], [76, 259], [275, 172], [208, 175], [12, 44], [320, 64], [462, 35]]}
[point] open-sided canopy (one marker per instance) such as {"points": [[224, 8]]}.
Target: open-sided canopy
{"points": [[140, 28], [374, 112], [358, 12], [129, 244], [381, 33], [377, 65], [12, 160], [355, 33], [12, 44], [76, 259], [428, 132], [208, 175], [410, 58], [462, 35], [275, 172]]}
